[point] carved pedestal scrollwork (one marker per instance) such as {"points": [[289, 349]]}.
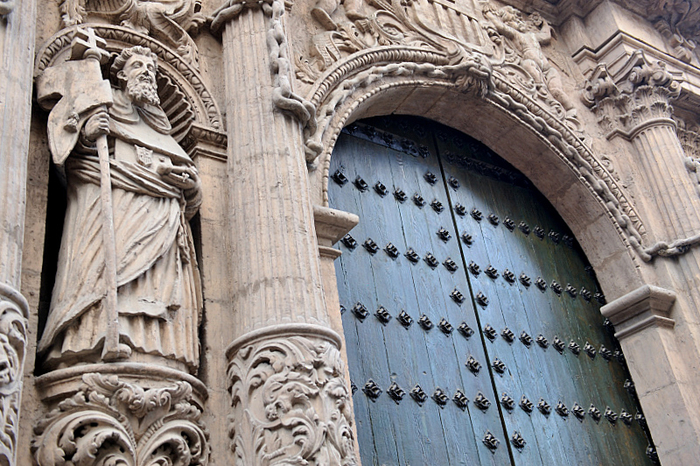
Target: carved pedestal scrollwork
{"points": [[291, 403], [113, 422], [13, 339]]}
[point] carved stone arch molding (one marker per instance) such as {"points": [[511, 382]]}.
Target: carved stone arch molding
{"points": [[190, 106], [472, 98]]}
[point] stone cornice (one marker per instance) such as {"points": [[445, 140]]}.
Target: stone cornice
{"points": [[647, 306]]}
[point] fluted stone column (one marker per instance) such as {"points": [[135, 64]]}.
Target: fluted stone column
{"points": [[658, 328], [285, 369], [17, 33]]}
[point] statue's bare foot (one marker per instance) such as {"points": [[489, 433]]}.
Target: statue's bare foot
{"points": [[122, 351]]}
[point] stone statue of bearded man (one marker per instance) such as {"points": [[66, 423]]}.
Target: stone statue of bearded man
{"points": [[155, 191]]}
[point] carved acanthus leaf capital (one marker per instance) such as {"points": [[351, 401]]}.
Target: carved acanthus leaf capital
{"points": [[110, 421], [291, 403], [640, 95]]}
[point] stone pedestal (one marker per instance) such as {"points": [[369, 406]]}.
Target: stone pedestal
{"points": [[283, 344]]}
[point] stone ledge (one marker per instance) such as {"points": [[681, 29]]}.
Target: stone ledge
{"points": [[647, 306], [332, 224]]}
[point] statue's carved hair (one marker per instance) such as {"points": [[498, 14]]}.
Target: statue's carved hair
{"points": [[126, 54]]}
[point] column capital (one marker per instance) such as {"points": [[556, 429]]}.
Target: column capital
{"points": [[647, 306], [637, 96]]}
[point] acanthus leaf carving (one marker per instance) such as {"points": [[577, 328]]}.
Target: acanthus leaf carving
{"points": [[110, 421], [290, 404], [641, 94], [13, 339]]}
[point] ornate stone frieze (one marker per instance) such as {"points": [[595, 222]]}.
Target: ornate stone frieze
{"points": [[290, 402], [503, 41], [169, 21], [641, 96], [110, 421], [677, 20], [13, 339]]}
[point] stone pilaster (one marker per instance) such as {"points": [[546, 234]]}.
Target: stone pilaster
{"points": [[283, 344], [17, 31], [660, 345], [637, 107]]}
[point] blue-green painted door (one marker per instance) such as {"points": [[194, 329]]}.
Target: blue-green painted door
{"points": [[471, 316]]}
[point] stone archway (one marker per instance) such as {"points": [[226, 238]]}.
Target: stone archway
{"points": [[587, 203]]}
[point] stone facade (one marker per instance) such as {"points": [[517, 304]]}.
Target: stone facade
{"points": [[192, 263]]}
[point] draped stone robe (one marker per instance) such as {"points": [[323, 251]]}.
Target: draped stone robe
{"points": [[158, 294]]}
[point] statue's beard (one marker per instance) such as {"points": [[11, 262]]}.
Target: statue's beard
{"points": [[142, 91]]}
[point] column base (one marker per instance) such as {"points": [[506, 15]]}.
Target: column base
{"points": [[289, 392]]}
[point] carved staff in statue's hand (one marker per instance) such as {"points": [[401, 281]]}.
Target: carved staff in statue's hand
{"points": [[78, 97]]}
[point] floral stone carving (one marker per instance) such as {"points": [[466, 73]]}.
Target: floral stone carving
{"points": [[112, 422], [13, 339], [291, 404]]}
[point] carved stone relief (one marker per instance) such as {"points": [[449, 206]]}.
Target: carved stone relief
{"points": [[110, 421], [13, 339], [502, 39], [169, 21], [641, 96], [677, 20], [290, 403], [127, 288]]}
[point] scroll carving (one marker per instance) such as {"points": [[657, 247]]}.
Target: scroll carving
{"points": [[109, 421], [170, 21], [13, 340], [508, 45], [291, 404]]}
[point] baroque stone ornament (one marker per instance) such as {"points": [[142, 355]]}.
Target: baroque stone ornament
{"points": [[291, 403], [113, 422], [13, 339], [169, 21], [127, 284], [641, 96]]}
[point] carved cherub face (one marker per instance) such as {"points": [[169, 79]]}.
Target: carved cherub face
{"points": [[139, 74]]}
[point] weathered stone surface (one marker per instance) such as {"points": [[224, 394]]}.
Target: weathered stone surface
{"points": [[289, 77]]}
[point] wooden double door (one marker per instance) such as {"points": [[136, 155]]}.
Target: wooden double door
{"points": [[471, 316]]}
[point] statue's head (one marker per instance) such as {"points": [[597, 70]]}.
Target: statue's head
{"points": [[512, 17], [134, 71]]}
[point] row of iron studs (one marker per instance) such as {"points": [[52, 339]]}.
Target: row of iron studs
{"points": [[382, 314], [392, 251], [397, 394], [460, 210]]}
